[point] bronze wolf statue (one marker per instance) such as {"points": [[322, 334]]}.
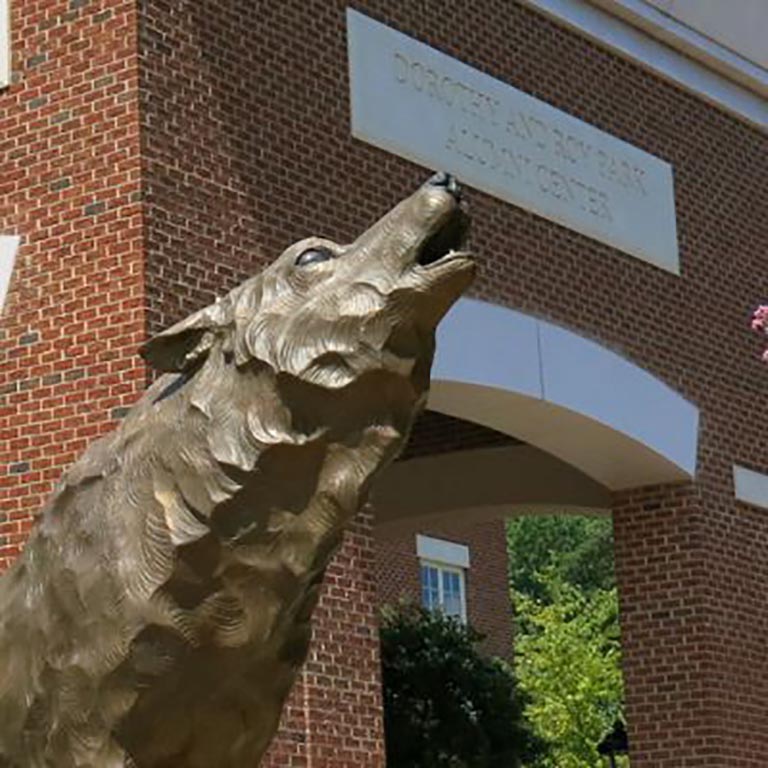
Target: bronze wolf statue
{"points": [[161, 610]]}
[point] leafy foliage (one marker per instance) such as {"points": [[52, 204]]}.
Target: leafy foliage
{"points": [[580, 549], [445, 704], [568, 664], [567, 643]]}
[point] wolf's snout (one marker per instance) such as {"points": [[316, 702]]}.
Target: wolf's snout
{"points": [[447, 181]]}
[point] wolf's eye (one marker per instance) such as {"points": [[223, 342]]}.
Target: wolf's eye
{"points": [[313, 256]]}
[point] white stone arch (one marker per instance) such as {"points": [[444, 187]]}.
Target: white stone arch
{"points": [[591, 422]]}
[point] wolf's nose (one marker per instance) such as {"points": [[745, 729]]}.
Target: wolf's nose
{"points": [[447, 181]]}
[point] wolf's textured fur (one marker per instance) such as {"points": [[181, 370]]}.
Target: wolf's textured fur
{"points": [[161, 610]]}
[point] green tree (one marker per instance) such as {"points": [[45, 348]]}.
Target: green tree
{"points": [[579, 548], [568, 668], [445, 704]]}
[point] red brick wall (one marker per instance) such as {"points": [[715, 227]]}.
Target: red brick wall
{"points": [[334, 719], [435, 433], [671, 681], [70, 186], [489, 609], [692, 568]]}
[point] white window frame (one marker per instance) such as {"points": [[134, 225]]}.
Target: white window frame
{"points": [[5, 43], [9, 244], [441, 571], [445, 557]]}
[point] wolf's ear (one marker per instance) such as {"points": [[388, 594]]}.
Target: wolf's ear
{"points": [[169, 353], [186, 344]]}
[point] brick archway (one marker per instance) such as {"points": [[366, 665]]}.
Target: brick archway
{"points": [[590, 432], [585, 430]]}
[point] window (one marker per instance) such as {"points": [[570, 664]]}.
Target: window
{"points": [[443, 567], [5, 43], [442, 589]]}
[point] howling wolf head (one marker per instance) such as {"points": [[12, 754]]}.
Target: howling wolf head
{"points": [[328, 313], [162, 608]]}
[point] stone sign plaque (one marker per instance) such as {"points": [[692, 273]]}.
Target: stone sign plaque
{"points": [[428, 107]]}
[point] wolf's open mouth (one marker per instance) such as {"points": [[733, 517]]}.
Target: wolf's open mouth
{"points": [[450, 237]]}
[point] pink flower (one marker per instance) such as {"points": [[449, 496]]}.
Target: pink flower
{"points": [[760, 318], [760, 324]]}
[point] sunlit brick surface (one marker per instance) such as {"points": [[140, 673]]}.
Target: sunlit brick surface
{"points": [[70, 186]]}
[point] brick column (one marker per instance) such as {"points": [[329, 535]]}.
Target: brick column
{"points": [[667, 642], [70, 188], [289, 749], [334, 718]]}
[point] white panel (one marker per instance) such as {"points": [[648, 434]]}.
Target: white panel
{"points": [[634, 44], [8, 246], [741, 26], [481, 343], [652, 17], [419, 103], [440, 551], [565, 394], [5, 43], [590, 380], [750, 487]]}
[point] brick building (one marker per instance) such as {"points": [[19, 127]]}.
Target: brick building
{"points": [[154, 154]]}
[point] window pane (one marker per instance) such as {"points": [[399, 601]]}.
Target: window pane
{"points": [[430, 592], [452, 594], [442, 589], [452, 607]]}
